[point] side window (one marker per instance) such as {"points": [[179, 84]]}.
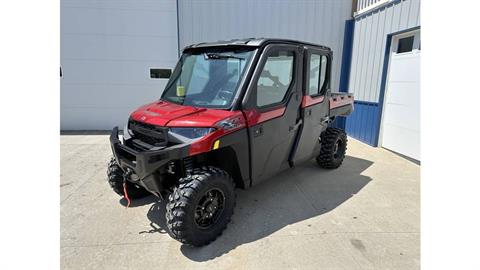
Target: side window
{"points": [[323, 72], [317, 74], [275, 79]]}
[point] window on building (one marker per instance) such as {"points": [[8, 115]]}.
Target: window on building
{"points": [[160, 73], [275, 78], [317, 74], [405, 44]]}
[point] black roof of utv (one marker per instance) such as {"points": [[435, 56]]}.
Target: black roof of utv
{"points": [[253, 42]]}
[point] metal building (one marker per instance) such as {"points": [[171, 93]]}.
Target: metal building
{"points": [[114, 55], [385, 75], [109, 48]]}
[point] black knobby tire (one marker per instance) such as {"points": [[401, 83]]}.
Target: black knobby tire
{"points": [[115, 179], [184, 220], [333, 148]]}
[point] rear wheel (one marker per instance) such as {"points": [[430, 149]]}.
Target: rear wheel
{"points": [[332, 149], [115, 179], [200, 208]]}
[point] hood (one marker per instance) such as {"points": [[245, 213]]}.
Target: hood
{"points": [[162, 113]]}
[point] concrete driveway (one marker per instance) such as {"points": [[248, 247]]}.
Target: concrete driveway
{"points": [[364, 215]]}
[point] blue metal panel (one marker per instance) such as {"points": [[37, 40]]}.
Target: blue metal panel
{"points": [[347, 55], [362, 124], [369, 124], [340, 122], [361, 117]]}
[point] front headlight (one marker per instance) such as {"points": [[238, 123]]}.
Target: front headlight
{"points": [[191, 133]]}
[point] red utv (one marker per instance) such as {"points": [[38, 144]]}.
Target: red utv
{"points": [[233, 114]]}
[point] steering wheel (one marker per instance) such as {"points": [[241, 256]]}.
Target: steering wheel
{"points": [[225, 94], [276, 82]]}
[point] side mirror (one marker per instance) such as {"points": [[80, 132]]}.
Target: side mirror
{"points": [[160, 73]]}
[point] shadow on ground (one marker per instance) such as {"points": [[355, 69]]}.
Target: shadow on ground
{"points": [[292, 196]]}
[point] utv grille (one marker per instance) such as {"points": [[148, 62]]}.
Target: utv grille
{"points": [[150, 134]]}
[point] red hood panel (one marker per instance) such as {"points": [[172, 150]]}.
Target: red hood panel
{"points": [[205, 118], [163, 113]]}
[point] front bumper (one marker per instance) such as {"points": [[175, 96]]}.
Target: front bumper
{"points": [[144, 163]]}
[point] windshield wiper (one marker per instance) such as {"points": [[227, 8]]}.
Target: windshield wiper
{"points": [[221, 56]]}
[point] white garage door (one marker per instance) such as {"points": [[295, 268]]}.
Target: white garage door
{"points": [[114, 57], [401, 116]]}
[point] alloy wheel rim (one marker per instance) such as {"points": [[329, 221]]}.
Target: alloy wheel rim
{"points": [[209, 208]]}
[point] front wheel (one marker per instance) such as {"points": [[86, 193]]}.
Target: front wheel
{"points": [[332, 149], [115, 179], [200, 208]]}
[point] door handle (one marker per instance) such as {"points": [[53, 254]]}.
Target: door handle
{"points": [[325, 120], [257, 131], [295, 127], [308, 112]]}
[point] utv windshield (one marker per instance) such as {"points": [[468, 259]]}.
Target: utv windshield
{"points": [[209, 78]]}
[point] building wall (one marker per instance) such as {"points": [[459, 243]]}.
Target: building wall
{"points": [[367, 63], [107, 48], [370, 37], [319, 22]]}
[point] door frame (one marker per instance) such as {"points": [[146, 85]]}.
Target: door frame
{"points": [[384, 81], [257, 115], [309, 101], [249, 99]]}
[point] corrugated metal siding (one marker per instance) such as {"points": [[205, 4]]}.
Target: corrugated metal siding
{"points": [[370, 35], [362, 124], [368, 63], [107, 48], [319, 22]]}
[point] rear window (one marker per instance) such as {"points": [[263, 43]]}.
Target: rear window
{"points": [[317, 74]]}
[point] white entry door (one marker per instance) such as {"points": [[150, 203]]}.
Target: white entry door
{"points": [[401, 115]]}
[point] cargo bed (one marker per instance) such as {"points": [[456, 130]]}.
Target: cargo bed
{"points": [[341, 104]]}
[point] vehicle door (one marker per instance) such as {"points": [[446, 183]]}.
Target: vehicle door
{"points": [[272, 109], [315, 103]]}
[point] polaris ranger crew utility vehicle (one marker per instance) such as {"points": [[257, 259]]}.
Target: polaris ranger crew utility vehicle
{"points": [[232, 114]]}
